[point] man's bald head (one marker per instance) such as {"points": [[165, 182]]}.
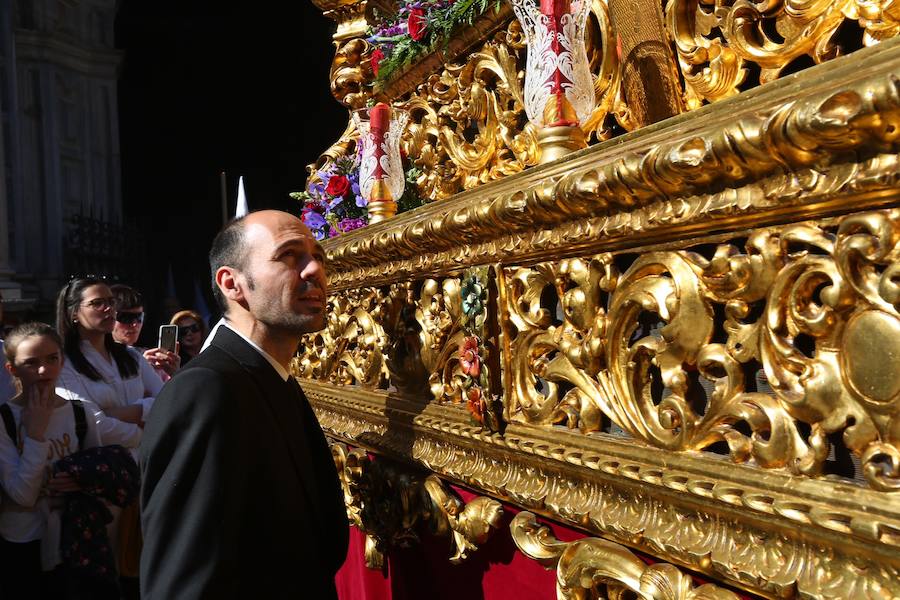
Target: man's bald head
{"points": [[231, 246]]}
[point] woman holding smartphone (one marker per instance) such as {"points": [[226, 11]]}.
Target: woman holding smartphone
{"points": [[191, 333], [127, 330]]}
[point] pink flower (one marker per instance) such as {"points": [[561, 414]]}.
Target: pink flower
{"points": [[469, 360], [416, 24]]}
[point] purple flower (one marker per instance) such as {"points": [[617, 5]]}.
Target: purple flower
{"points": [[360, 201], [347, 225], [314, 220], [334, 202]]}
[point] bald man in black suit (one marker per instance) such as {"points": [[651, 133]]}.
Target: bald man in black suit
{"points": [[240, 497]]}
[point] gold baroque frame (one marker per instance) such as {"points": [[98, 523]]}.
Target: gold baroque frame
{"points": [[817, 144]]}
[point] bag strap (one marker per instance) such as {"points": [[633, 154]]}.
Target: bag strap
{"points": [[9, 423], [80, 422]]}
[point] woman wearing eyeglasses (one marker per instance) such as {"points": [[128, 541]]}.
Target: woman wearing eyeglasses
{"points": [[127, 330], [99, 370], [106, 375], [191, 333]]}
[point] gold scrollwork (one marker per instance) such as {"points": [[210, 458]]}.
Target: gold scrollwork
{"points": [[804, 304], [587, 564], [353, 347], [351, 73], [439, 314], [770, 34], [388, 502]]}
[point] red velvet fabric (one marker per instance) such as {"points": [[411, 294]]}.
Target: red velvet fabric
{"points": [[496, 571]]}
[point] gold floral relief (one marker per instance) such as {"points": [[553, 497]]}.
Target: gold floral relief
{"points": [[801, 308], [353, 347], [594, 568], [717, 40], [388, 503], [439, 315], [351, 73]]}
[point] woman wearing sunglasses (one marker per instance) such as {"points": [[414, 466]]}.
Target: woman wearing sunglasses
{"points": [[127, 330], [191, 333]]}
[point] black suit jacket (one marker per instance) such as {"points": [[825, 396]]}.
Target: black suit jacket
{"points": [[240, 498]]}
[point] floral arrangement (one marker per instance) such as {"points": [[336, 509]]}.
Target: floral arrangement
{"points": [[418, 27], [333, 204]]}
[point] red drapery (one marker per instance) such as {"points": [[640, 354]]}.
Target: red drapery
{"points": [[496, 571]]}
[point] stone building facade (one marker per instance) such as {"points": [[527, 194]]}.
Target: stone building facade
{"points": [[60, 151]]}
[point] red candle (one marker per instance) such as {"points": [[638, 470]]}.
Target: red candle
{"points": [[379, 119], [555, 8]]}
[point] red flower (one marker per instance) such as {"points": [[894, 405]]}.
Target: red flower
{"points": [[337, 186], [469, 360], [416, 24], [375, 60], [475, 403]]}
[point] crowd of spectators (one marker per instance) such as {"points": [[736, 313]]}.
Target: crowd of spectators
{"points": [[73, 401]]}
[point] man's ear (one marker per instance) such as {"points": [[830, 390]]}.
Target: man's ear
{"points": [[10, 368], [227, 280]]}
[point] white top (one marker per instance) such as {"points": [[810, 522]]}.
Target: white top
{"points": [[111, 391], [26, 514], [7, 385], [282, 372]]}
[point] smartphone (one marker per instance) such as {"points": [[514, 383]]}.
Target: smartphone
{"points": [[168, 335]]}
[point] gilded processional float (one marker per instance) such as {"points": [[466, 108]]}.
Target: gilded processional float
{"points": [[613, 299]]}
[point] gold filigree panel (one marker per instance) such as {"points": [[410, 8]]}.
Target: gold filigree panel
{"points": [[717, 41], [353, 347], [801, 308]]}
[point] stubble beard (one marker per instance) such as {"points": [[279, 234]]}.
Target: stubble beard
{"points": [[285, 321]]}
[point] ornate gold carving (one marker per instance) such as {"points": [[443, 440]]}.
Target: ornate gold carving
{"points": [[482, 94], [468, 125], [766, 531], [768, 34], [353, 347], [822, 298], [586, 564], [351, 74], [387, 503], [786, 151]]}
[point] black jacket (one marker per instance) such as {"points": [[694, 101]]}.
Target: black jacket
{"points": [[239, 498]]}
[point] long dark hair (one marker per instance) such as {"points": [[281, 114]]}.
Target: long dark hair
{"points": [[67, 304]]}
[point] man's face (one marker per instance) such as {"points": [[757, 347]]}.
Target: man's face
{"points": [[284, 276], [129, 322]]}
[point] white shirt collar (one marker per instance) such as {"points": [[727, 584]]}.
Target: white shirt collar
{"points": [[282, 372]]}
